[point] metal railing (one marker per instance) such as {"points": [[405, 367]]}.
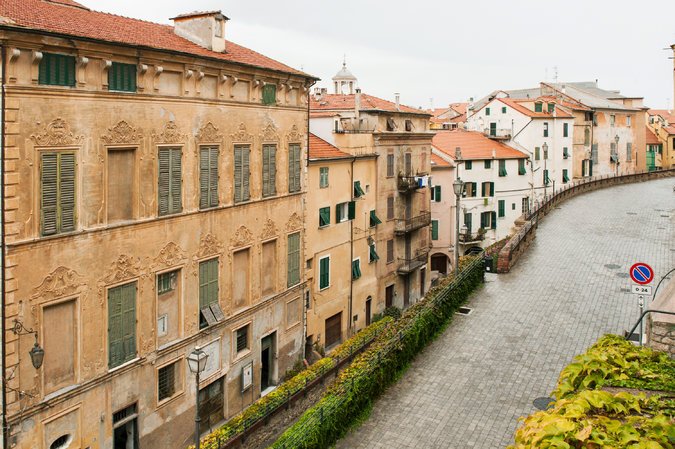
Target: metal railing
{"points": [[471, 238], [408, 265], [498, 133], [408, 183], [405, 225]]}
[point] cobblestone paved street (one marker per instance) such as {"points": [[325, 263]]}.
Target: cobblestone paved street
{"points": [[468, 388]]}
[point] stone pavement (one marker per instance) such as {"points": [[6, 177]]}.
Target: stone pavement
{"points": [[469, 387]]}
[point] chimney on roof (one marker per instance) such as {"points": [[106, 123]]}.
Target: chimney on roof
{"points": [[357, 102], [206, 29], [397, 96]]}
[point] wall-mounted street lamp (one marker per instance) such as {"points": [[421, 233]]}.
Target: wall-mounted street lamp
{"points": [[197, 363], [458, 188], [37, 354]]}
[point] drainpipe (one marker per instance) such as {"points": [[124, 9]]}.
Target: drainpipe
{"points": [[3, 51], [305, 289], [351, 255]]}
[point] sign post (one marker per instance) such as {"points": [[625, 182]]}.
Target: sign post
{"points": [[641, 274]]}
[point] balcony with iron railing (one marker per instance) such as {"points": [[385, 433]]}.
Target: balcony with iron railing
{"points": [[407, 266], [406, 225], [468, 238], [410, 183], [499, 134]]}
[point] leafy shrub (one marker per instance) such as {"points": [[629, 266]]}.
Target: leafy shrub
{"points": [[393, 312]]}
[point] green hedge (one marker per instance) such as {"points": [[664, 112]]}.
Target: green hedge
{"points": [[381, 364], [586, 417], [280, 395]]}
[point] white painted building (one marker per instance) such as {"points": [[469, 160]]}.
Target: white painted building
{"points": [[540, 127], [496, 193]]}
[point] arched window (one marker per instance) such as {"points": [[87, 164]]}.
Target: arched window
{"points": [[61, 442]]}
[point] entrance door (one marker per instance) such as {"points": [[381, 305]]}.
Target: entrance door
{"points": [[423, 280], [125, 428], [333, 330], [211, 405], [368, 311], [493, 129], [267, 361], [651, 160], [389, 296], [406, 291]]}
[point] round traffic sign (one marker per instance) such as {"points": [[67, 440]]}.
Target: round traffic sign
{"points": [[641, 273]]}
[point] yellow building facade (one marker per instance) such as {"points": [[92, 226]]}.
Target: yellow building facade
{"points": [[153, 204]]}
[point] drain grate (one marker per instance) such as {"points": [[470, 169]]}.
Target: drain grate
{"points": [[612, 266], [464, 311]]}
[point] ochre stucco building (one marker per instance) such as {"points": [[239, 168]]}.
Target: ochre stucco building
{"points": [[154, 180]]}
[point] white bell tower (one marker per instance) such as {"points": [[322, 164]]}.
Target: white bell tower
{"points": [[344, 82]]}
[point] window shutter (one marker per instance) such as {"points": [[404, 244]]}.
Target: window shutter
{"points": [[374, 219], [351, 211], [204, 175], [293, 262], [324, 272], [501, 204], [467, 221], [129, 321], [115, 346], [238, 175], [590, 168], [266, 170], [67, 192], [484, 220], [434, 229], [583, 168], [373, 256], [437, 194], [492, 189], [294, 168], [245, 174], [49, 181], [493, 220], [483, 189], [163, 181], [176, 204], [338, 207], [213, 176]]}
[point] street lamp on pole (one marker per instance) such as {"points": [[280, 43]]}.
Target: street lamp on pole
{"points": [[197, 363], [457, 187], [616, 152], [545, 148]]}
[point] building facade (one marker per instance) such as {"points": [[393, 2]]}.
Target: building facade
{"points": [[399, 135], [660, 139], [342, 255], [496, 192], [154, 189]]}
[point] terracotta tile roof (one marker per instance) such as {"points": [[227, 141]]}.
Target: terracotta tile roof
{"points": [[518, 106], [368, 103], [460, 107], [651, 137], [320, 114], [320, 149], [474, 145], [54, 17], [668, 116], [437, 161]]}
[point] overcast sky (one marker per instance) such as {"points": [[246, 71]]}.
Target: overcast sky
{"points": [[451, 50]]}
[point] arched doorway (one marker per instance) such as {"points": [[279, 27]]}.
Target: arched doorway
{"points": [[439, 262]]}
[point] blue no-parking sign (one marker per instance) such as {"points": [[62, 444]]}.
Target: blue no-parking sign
{"points": [[641, 273]]}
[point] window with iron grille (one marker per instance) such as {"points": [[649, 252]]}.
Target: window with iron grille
{"points": [[125, 413], [242, 338], [167, 378]]}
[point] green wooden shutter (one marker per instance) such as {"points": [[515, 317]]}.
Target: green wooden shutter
{"points": [[324, 272], [372, 254], [467, 221], [358, 191], [238, 178], [163, 181], [66, 192], [208, 283], [122, 77], [351, 210], [374, 219], [121, 324], [204, 175], [434, 229], [483, 189], [493, 220], [324, 216], [484, 217], [536, 153], [269, 96], [49, 193], [502, 167], [176, 201], [501, 204], [487, 111], [468, 165], [565, 129], [538, 107], [293, 262], [245, 174], [294, 168], [437, 194], [213, 176], [57, 70], [521, 167], [269, 170], [583, 168], [492, 189], [338, 208], [474, 192], [356, 269]]}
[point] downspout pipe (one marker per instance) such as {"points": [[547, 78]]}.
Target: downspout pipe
{"points": [[3, 61], [351, 254]]}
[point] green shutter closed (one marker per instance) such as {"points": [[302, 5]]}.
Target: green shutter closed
{"points": [[121, 324], [269, 170], [294, 168], [208, 177], [57, 179], [434, 229], [493, 220], [208, 283], [356, 269], [269, 96], [565, 129], [324, 272], [502, 167], [351, 210], [437, 194], [122, 77], [501, 204], [241, 173], [169, 181], [293, 261], [57, 70]]}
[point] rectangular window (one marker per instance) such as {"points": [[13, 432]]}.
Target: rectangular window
{"points": [[390, 250], [293, 259], [122, 77], [595, 119], [324, 273], [437, 193], [468, 218], [408, 125], [358, 191], [612, 120], [269, 94], [294, 168], [485, 220], [57, 70], [390, 165], [60, 340], [345, 211], [121, 184], [545, 153], [121, 324], [168, 381], [468, 165], [538, 107], [487, 111], [503, 109], [488, 189], [242, 173], [166, 282], [629, 151], [241, 339], [537, 154], [546, 178], [545, 129], [566, 153], [502, 167], [565, 130], [372, 254], [390, 208], [57, 193], [551, 108], [521, 167], [356, 269], [323, 177], [324, 216], [208, 291], [565, 178], [628, 120], [487, 164], [269, 173], [594, 153], [169, 180], [208, 177], [374, 220], [470, 189], [434, 229], [501, 208]]}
